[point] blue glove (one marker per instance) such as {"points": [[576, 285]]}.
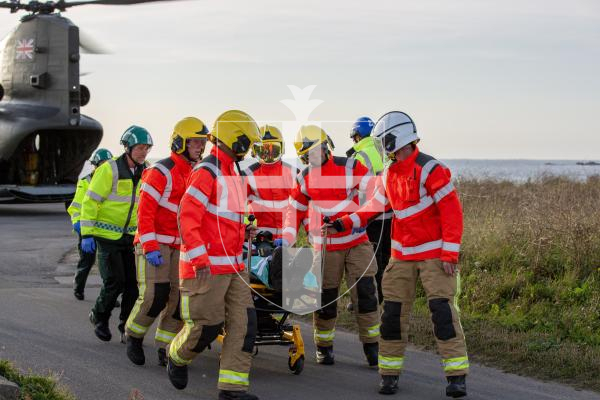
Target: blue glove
{"points": [[154, 258], [281, 243], [310, 281], [88, 245], [358, 230], [77, 227]]}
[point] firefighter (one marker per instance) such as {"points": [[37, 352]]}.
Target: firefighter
{"points": [[109, 220], [426, 235], [379, 229], [214, 282], [157, 241], [270, 181], [329, 187], [86, 260]]}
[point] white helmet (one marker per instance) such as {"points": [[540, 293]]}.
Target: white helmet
{"points": [[395, 130]]}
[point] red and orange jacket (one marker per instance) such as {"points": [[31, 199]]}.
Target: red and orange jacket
{"points": [[211, 218], [428, 218], [163, 185], [329, 190], [269, 188]]}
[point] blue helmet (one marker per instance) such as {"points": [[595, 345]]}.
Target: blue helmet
{"points": [[362, 127]]}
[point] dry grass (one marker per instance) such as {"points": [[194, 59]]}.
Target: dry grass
{"points": [[530, 264], [35, 387], [531, 256]]}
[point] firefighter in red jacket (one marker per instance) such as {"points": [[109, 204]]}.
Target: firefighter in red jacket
{"points": [[329, 186], [426, 235], [214, 283], [270, 181], [157, 241]]}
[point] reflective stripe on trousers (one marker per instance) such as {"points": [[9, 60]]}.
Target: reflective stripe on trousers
{"points": [[324, 336], [455, 364], [390, 362], [232, 377]]}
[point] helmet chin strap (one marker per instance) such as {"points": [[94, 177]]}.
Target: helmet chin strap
{"points": [[135, 163]]}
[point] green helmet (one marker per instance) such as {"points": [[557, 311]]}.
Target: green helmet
{"points": [[136, 135], [100, 155]]}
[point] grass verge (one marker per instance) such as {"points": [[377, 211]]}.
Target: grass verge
{"points": [[530, 268], [35, 387]]}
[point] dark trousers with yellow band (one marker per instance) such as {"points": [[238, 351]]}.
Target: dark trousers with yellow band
{"points": [[442, 291], [116, 263], [359, 266], [210, 303], [159, 297], [84, 266]]}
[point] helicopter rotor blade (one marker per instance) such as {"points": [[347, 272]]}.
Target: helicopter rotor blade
{"points": [[111, 2], [13, 5], [89, 45]]}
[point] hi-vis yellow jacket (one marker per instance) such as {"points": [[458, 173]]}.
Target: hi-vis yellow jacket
{"points": [[110, 205], [366, 152], [74, 209]]}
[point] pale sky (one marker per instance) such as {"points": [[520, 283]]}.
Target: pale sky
{"points": [[481, 79]]}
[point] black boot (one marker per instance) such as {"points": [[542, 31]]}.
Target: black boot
{"points": [[135, 350], [231, 395], [389, 384], [101, 328], [371, 352], [325, 355], [162, 357], [177, 375], [122, 331], [78, 295], [457, 386]]}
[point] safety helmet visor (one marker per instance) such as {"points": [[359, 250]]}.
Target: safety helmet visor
{"points": [[268, 152], [378, 141]]}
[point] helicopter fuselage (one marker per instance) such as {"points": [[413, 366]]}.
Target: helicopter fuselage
{"points": [[44, 138]]}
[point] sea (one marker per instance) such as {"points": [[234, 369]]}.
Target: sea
{"points": [[522, 170], [509, 170]]}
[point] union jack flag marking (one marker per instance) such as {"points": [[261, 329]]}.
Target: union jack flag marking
{"points": [[25, 49]]}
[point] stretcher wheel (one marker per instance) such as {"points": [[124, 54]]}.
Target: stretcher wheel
{"points": [[297, 367]]}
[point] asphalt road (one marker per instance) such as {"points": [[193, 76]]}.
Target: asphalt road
{"points": [[43, 328]]}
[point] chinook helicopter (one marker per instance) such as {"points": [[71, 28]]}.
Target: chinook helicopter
{"points": [[44, 138]]}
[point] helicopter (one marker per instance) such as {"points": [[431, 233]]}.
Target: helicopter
{"points": [[44, 138]]}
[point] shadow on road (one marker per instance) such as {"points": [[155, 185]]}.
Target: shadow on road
{"points": [[31, 210]]}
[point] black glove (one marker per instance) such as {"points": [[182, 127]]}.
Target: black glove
{"points": [[337, 225]]}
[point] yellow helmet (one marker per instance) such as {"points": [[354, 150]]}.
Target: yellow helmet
{"points": [[187, 128], [270, 133], [308, 138], [236, 130], [272, 147]]}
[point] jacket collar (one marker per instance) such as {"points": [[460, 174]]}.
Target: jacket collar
{"points": [[409, 162], [181, 162], [276, 166], [225, 161], [363, 143]]}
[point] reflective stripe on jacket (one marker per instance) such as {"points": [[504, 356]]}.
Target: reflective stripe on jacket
{"points": [[269, 188], [428, 218], [74, 209], [211, 218], [109, 206], [163, 185], [329, 190]]}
